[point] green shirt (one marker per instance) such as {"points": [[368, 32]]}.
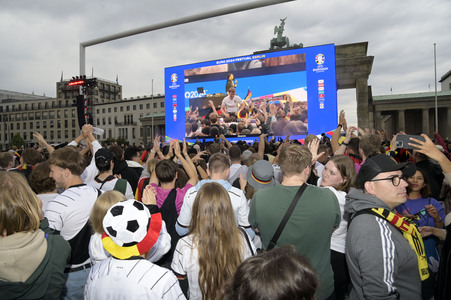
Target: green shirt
{"points": [[309, 228]]}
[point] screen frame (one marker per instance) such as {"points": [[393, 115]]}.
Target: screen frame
{"points": [[321, 87]]}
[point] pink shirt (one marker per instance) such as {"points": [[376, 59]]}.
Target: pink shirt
{"points": [[162, 194]]}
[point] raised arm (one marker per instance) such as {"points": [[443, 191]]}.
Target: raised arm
{"points": [[77, 140], [313, 147], [228, 144], [42, 142], [155, 147], [428, 148], [212, 105], [261, 145], [188, 165], [336, 136], [342, 148]]}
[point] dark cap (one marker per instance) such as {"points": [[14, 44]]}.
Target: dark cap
{"points": [[382, 163], [104, 155]]}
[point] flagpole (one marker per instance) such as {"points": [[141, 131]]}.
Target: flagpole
{"points": [[435, 72]]}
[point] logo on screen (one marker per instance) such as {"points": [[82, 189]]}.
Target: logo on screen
{"points": [[319, 59], [174, 77]]}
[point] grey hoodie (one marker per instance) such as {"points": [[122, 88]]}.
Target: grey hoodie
{"points": [[381, 262]]}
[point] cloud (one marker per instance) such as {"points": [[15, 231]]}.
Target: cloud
{"points": [[41, 38]]}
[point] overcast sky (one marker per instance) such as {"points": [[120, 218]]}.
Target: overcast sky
{"points": [[40, 39]]}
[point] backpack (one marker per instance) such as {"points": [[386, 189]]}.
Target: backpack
{"points": [[121, 185]]}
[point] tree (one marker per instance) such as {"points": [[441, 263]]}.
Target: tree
{"points": [[17, 141], [119, 141]]}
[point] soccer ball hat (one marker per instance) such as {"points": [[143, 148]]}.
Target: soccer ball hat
{"points": [[130, 229]]}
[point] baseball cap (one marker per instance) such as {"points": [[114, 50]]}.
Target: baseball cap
{"points": [[382, 163], [130, 229], [104, 155], [261, 174]]}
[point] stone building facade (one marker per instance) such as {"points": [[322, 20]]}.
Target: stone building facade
{"points": [[57, 121], [414, 113]]}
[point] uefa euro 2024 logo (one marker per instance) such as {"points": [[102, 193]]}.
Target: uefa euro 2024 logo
{"points": [[174, 77], [319, 59]]}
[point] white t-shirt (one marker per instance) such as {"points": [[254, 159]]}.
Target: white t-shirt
{"points": [[237, 197], [69, 211], [109, 186], [338, 239], [232, 105], [186, 262], [45, 199], [131, 279], [91, 170], [319, 167], [237, 168]]}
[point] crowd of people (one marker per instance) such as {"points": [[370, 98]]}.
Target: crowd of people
{"points": [[278, 116], [346, 217]]}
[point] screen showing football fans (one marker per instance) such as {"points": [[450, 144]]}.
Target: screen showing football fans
{"points": [[279, 93]]}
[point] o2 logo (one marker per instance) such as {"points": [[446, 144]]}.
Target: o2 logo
{"points": [[195, 94]]}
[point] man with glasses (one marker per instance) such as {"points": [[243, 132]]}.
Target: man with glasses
{"points": [[384, 252]]}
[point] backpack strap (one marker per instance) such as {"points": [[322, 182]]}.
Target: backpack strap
{"points": [[287, 215], [120, 185], [247, 240], [235, 175], [111, 177], [360, 212]]}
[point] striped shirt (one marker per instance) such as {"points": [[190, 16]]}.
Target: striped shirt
{"points": [[237, 198], [131, 279], [69, 211]]}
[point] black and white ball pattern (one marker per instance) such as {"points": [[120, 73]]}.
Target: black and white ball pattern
{"points": [[127, 222]]}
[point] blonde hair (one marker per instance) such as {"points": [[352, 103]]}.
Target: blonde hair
{"points": [[293, 159], [216, 237], [150, 165], [20, 208], [101, 206]]}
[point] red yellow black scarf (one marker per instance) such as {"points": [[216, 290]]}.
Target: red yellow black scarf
{"points": [[410, 233]]}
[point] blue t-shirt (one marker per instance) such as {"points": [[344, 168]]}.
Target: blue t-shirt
{"points": [[416, 207]]}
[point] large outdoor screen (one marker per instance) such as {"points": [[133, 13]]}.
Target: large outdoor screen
{"points": [[289, 92]]}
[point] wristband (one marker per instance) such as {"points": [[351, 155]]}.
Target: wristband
{"points": [[152, 151], [339, 125], [343, 143]]}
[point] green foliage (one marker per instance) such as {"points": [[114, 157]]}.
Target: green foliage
{"points": [[17, 141], [119, 141], [108, 141]]}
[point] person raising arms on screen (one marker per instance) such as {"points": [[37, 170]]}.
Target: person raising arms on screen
{"points": [[232, 103]]}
